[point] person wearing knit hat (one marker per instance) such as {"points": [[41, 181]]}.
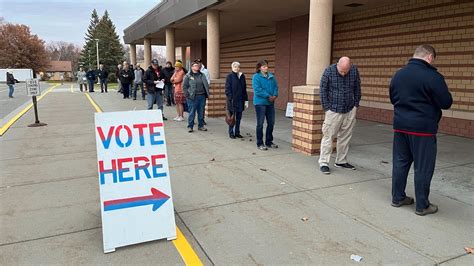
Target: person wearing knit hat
{"points": [[179, 98], [11, 82]]}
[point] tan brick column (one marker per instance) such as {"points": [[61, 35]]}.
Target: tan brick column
{"points": [[133, 54], [170, 48], [213, 43], [216, 104], [183, 54], [147, 52], [308, 115]]}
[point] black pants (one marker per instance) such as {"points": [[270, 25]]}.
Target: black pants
{"points": [[126, 90], [420, 150]]}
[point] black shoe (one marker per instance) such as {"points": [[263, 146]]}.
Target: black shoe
{"points": [[273, 146], [164, 118], [325, 170], [190, 130], [239, 136], [202, 129], [405, 201], [168, 104], [232, 136], [101, 91], [344, 165], [134, 99]]}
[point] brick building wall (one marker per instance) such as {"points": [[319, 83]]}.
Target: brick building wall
{"points": [[248, 49], [381, 40]]}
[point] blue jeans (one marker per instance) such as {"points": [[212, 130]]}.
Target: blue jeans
{"points": [[408, 149], [197, 105], [235, 130], [91, 85], [135, 88], [155, 98], [10, 91], [268, 112], [103, 85]]}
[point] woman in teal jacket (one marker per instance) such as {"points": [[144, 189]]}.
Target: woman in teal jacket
{"points": [[265, 92]]}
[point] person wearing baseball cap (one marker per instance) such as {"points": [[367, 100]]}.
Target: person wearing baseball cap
{"points": [[153, 76]]}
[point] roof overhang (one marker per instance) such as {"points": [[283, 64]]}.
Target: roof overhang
{"points": [[188, 18]]}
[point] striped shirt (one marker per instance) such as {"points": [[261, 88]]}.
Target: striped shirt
{"points": [[340, 93]]}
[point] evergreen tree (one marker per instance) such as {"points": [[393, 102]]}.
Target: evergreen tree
{"points": [[88, 53], [111, 51]]}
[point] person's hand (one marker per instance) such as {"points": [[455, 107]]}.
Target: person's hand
{"points": [[156, 82], [272, 98], [246, 104]]}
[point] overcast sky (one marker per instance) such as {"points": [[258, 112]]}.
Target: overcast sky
{"points": [[67, 20]]}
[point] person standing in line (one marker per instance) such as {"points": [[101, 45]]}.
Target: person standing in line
{"points": [[168, 71], [418, 93], [103, 78], [117, 75], [153, 76], [126, 78], [237, 98], [81, 79], [90, 75], [138, 82], [11, 83], [340, 97], [265, 92], [196, 90], [179, 98], [204, 71]]}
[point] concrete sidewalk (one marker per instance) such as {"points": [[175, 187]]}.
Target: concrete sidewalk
{"points": [[234, 203]]}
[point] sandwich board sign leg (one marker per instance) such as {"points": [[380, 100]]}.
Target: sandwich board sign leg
{"points": [[135, 190]]}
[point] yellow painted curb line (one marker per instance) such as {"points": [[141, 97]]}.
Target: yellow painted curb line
{"points": [[181, 243], [12, 121], [185, 250], [96, 107]]}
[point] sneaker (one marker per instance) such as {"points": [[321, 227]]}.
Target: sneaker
{"points": [[239, 136], [262, 148], [202, 129], [190, 130], [344, 165], [430, 210], [232, 136], [176, 118], [273, 146], [325, 169], [180, 119], [406, 201]]}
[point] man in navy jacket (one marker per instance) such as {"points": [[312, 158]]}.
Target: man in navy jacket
{"points": [[418, 93]]}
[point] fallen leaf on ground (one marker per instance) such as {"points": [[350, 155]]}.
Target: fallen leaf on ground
{"points": [[282, 183], [385, 162], [250, 139], [304, 219], [213, 159], [253, 153], [263, 169], [469, 250]]}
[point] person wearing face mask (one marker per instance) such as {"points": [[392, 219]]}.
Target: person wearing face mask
{"points": [[237, 98], [340, 96]]}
